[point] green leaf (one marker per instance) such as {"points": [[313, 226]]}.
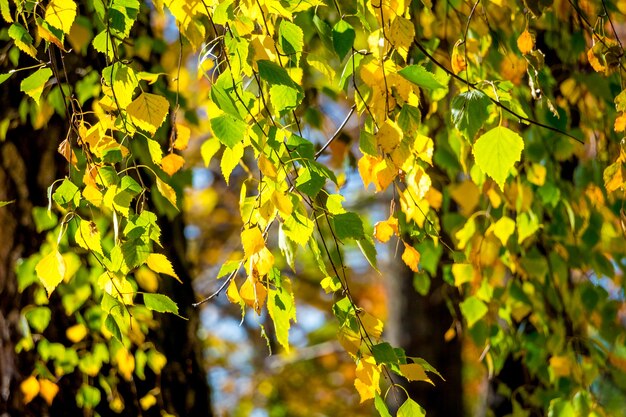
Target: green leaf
{"points": [[88, 397], [228, 129], [291, 40], [343, 38], [38, 318], [22, 39], [284, 98], [4, 77], [102, 43], [6, 203], [33, 84], [368, 249], [111, 325], [473, 310], [384, 353], [348, 225], [410, 409], [420, 76], [309, 182], [160, 303], [470, 112], [497, 151], [380, 405], [67, 193]]}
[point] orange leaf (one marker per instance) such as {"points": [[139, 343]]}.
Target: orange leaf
{"points": [[458, 59], [411, 257], [172, 163], [525, 42], [385, 229]]}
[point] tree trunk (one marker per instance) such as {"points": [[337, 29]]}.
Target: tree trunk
{"points": [[418, 323], [29, 163]]}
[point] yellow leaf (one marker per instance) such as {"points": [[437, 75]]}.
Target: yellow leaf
{"points": [[29, 388], [373, 327], [462, 273], [147, 401], [350, 341], [537, 174], [172, 163], [266, 167], [620, 123], [167, 191], [389, 136], [401, 34], [385, 229], [411, 257], [50, 270], [76, 333], [48, 390], [366, 168], [183, 133], [252, 240], [384, 173], [414, 372], [263, 261], [147, 279], [88, 237], [148, 111], [93, 195], [525, 42], [160, 264], [560, 366], [367, 381], [458, 59], [253, 293], [503, 229], [61, 14], [282, 202], [232, 293], [125, 363]]}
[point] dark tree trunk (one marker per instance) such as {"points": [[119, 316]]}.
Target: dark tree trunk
{"points": [[29, 163], [418, 324]]}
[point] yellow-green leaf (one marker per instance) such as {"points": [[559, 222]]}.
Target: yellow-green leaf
{"points": [[503, 229], [497, 151], [50, 270], [166, 191], [61, 14], [88, 237], [414, 372], [230, 159], [148, 111], [33, 84]]}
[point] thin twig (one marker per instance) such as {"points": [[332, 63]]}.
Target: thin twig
{"points": [[493, 100]]}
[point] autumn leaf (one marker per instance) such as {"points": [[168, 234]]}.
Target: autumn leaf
{"points": [[172, 163], [367, 382], [51, 270], [76, 333], [385, 229], [61, 14], [48, 390], [252, 240], [148, 111], [166, 191], [160, 264], [125, 363], [457, 60], [29, 388], [525, 42], [411, 257]]}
